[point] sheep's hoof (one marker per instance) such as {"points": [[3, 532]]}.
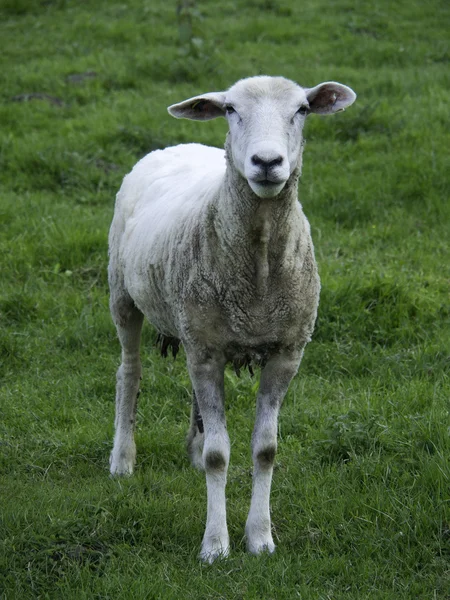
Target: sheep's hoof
{"points": [[214, 549], [260, 548], [259, 542], [122, 465]]}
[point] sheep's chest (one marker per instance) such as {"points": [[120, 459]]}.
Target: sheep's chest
{"points": [[237, 317]]}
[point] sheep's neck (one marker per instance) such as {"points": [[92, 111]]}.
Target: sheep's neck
{"points": [[257, 231], [260, 236]]}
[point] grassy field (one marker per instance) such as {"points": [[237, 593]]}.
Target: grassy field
{"points": [[361, 490]]}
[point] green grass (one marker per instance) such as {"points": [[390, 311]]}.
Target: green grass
{"points": [[360, 500]]}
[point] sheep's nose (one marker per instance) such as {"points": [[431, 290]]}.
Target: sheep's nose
{"points": [[266, 164]]}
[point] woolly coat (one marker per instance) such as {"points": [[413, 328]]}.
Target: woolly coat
{"points": [[210, 263]]}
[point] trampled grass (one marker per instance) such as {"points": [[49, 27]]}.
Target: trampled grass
{"points": [[360, 499]]}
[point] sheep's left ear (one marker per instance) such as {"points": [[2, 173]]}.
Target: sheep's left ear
{"points": [[201, 108], [329, 97]]}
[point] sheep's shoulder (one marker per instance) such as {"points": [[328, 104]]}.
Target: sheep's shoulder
{"points": [[170, 176]]}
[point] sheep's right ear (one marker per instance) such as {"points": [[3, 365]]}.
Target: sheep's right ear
{"points": [[201, 108]]}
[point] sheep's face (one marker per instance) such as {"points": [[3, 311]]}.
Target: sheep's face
{"points": [[266, 116]]}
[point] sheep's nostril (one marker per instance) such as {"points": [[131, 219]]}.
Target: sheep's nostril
{"points": [[267, 164], [276, 161]]}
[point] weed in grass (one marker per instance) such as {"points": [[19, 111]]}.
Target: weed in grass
{"points": [[350, 435]]}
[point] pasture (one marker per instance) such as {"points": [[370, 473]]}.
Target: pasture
{"points": [[361, 488]]}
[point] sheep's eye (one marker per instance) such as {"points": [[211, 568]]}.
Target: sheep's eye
{"points": [[229, 109], [303, 110]]}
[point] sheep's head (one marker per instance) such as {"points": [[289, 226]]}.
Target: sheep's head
{"points": [[266, 117]]}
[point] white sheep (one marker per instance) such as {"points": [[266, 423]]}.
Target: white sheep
{"points": [[214, 249]]}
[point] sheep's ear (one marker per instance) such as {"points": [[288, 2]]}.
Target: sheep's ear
{"points": [[329, 97], [201, 108]]}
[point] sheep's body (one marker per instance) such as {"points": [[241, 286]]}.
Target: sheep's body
{"points": [[172, 245], [223, 261]]}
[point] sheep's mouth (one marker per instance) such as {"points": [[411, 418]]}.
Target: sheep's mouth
{"points": [[266, 188], [268, 183]]}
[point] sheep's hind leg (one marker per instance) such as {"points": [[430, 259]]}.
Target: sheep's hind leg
{"points": [[207, 379], [196, 435], [129, 324], [275, 380]]}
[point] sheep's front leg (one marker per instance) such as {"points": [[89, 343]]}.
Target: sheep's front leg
{"points": [[275, 379], [207, 379]]}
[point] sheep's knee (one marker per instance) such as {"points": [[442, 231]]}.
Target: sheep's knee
{"points": [[216, 455], [265, 456], [215, 460]]}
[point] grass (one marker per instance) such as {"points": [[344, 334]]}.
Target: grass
{"points": [[360, 499]]}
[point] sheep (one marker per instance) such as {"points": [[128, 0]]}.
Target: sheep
{"points": [[212, 246]]}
